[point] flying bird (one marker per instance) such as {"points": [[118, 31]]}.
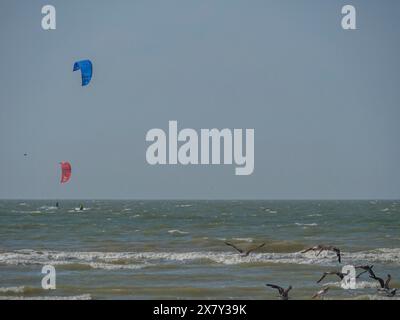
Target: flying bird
{"points": [[321, 248], [341, 275], [367, 268], [242, 252], [385, 285], [284, 293]]}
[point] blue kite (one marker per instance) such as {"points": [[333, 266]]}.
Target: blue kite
{"points": [[86, 68]]}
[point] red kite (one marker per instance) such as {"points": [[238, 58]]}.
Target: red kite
{"points": [[65, 172]]}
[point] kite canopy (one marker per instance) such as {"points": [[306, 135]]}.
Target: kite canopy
{"points": [[65, 172], [86, 68]]}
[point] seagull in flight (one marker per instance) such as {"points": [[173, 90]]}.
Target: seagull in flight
{"points": [[341, 275], [284, 293], [242, 252], [385, 285], [366, 268]]}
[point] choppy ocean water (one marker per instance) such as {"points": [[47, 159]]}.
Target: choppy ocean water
{"points": [[176, 250]]}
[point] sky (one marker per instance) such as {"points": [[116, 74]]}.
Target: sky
{"points": [[323, 101]]}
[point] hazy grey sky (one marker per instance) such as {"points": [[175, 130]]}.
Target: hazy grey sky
{"points": [[324, 102]]}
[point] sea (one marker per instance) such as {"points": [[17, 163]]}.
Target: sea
{"points": [[176, 249]]}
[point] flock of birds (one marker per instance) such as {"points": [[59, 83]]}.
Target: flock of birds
{"points": [[284, 293]]}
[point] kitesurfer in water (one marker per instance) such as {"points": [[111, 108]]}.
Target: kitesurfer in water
{"points": [[57, 205], [81, 207]]}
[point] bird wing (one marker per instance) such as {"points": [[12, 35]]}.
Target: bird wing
{"points": [[371, 272], [255, 248], [381, 282], [364, 267], [280, 289], [323, 276], [359, 275], [233, 246], [306, 250]]}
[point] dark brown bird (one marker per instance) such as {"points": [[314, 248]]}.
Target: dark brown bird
{"points": [[284, 293], [385, 285], [367, 268], [242, 252]]}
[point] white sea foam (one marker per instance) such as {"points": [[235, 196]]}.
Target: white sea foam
{"points": [[20, 289], [359, 284], [95, 260], [177, 232], [269, 210], [48, 208], [244, 239], [367, 285], [136, 260], [306, 224], [109, 266]]}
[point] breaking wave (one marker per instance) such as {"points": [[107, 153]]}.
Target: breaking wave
{"points": [[138, 260]]}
